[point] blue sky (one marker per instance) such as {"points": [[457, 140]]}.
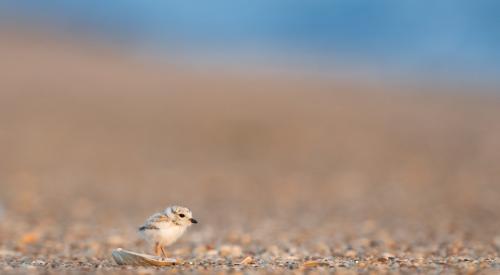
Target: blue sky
{"points": [[445, 36]]}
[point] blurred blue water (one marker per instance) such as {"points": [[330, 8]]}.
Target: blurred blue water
{"points": [[445, 37]]}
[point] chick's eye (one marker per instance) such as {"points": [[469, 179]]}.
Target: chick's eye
{"points": [[182, 215]]}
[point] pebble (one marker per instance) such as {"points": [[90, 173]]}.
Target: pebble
{"points": [[248, 260], [38, 263]]}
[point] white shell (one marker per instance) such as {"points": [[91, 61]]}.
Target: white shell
{"points": [[125, 257]]}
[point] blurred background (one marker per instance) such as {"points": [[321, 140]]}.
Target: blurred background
{"points": [[436, 40], [327, 117]]}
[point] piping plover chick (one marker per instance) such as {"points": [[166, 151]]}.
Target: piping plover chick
{"points": [[164, 228]]}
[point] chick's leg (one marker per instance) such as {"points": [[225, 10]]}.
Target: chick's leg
{"points": [[163, 251], [158, 249]]}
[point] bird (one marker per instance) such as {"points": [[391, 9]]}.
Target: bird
{"points": [[165, 227]]}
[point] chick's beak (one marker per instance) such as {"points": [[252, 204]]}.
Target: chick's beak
{"points": [[193, 220]]}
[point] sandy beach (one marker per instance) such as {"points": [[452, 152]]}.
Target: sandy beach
{"points": [[295, 174]]}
